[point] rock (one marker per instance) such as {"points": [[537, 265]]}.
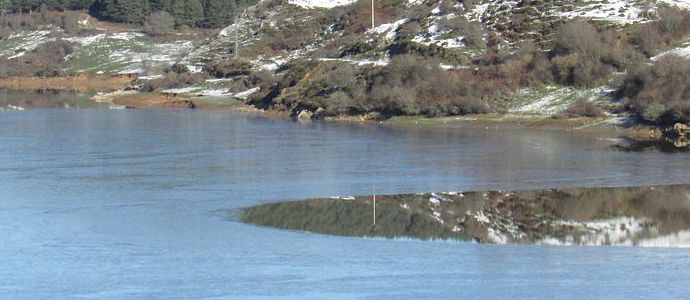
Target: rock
{"points": [[319, 114], [373, 116], [678, 135], [681, 143], [305, 116], [681, 129]]}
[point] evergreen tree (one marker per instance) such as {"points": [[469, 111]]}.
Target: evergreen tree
{"points": [[161, 5], [218, 12], [128, 11], [79, 4], [188, 12]]}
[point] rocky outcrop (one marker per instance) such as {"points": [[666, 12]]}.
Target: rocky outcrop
{"points": [[679, 135], [305, 116]]}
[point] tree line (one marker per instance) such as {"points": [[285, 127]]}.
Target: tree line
{"points": [[194, 13]]}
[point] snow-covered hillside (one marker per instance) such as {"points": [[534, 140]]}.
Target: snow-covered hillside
{"points": [[321, 3]]}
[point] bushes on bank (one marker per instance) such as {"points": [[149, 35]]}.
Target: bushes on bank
{"points": [[47, 60], [177, 75], [672, 25], [582, 108], [659, 93], [409, 85]]}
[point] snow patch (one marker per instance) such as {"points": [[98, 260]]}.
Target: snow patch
{"points": [[321, 3], [361, 62], [617, 11], [622, 231], [389, 29], [685, 4], [683, 51], [677, 240], [246, 94]]}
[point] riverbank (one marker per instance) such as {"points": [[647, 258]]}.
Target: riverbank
{"points": [[116, 90], [657, 216], [82, 83]]}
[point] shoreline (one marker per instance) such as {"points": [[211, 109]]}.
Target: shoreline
{"points": [[113, 90], [652, 216]]}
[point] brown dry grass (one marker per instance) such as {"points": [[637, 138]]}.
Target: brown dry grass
{"points": [[150, 100], [76, 83]]}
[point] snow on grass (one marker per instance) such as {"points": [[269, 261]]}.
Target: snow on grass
{"points": [[683, 51], [321, 3], [18, 44], [480, 11], [126, 53], [621, 231], [359, 62], [676, 240], [199, 91], [210, 92], [438, 36], [617, 11], [554, 100], [117, 53], [685, 4], [481, 217], [389, 29], [246, 94]]}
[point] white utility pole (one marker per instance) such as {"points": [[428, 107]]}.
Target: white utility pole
{"points": [[237, 35], [374, 209], [373, 23]]}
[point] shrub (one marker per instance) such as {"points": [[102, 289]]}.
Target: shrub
{"points": [[672, 25], [70, 23], [357, 17], [583, 108], [229, 68], [472, 32], [47, 60], [659, 93], [159, 23], [171, 80], [409, 30], [414, 85], [177, 68], [581, 38]]}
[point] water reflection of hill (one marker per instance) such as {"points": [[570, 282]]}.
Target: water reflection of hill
{"points": [[20, 100], [649, 216]]}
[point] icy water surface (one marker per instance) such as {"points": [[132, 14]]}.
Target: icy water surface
{"points": [[133, 204]]}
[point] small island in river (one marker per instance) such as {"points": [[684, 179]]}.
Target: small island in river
{"points": [[644, 216]]}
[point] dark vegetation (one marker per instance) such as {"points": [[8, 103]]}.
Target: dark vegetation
{"points": [[582, 108], [659, 93], [47, 60], [579, 54], [66, 20], [174, 76], [575, 53], [194, 13], [672, 25], [582, 56], [409, 85]]}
